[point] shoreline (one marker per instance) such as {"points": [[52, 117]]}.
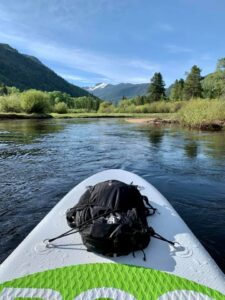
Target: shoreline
{"points": [[212, 126], [155, 119], [19, 116], [15, 116]]}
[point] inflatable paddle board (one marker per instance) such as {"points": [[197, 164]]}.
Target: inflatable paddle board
{"points": [[64, 270]]}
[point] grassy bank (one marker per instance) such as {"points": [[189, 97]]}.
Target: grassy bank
{"points": [[202, 114], [112, 115], [198, 113]]}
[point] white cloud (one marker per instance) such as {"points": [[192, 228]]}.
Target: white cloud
{"points": [[73, 77], [107, 68], [177, 49]]}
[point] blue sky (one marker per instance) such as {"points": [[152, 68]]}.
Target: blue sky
{"points": [[91, 41]]}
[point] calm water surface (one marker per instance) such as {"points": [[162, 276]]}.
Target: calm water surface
{"points": [[41, 160]]}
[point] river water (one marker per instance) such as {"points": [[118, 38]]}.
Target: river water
{"points": [[41, 160]]}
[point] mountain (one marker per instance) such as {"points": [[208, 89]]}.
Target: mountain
{"points": [[26, 72], [115, 92]]}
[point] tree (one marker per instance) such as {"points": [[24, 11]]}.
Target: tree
{"points": [[61, 108], [177, 89], [34, 101], [192, 84], [140, 100], [214, 84], [106, 107], [156, 88], [221, 64], [3, 89]]}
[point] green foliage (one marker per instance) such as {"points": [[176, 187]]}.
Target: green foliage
{"points": [[177, 89], [123, 106], [34, 101], [106, 107], [10, 103], [3, 89], [156, 88], [192, 85], [221, 65], [129, 106], [86, 103], [61, 108], [57, 97], [12, 90], [201, 111], [214, 84], [140, 100]]}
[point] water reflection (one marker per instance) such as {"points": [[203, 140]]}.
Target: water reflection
{"points": [[191, 149], [155, 136], [25, 131], [215, 145]]}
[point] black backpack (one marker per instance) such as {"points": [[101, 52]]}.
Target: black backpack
{"points": [[112, 218]]}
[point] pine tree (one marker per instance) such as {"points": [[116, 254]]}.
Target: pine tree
{"points": [[177, 90], [156, 88], [3, 89], [192, 85]]}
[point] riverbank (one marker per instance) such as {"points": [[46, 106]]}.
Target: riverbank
{"points": [[156, 119], [112, 115], [84, 115], [216, 125], [12, 116]]}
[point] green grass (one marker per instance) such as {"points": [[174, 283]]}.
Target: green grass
{"points": [[198, 113], [114, 115]]}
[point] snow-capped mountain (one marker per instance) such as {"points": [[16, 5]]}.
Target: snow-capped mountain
{"points": [[115, 92], [97, 86]]}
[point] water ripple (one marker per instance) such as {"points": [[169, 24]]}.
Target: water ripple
{"points": [[40, 161]]}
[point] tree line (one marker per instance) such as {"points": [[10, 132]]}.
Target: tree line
{"points": [[158, 98], [194, 86]]}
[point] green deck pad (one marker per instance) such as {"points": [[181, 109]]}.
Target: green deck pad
{"points": [[141, 283]]}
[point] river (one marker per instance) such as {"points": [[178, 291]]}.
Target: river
{"points": [[41, 160]]}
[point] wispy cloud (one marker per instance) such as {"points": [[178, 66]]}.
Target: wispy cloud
{"points": [[105, 67], [73, 77], [165, 27], [114, 68], [178, 49]]}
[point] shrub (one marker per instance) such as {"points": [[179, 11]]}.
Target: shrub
{"points": [[61, 108], [11, 103], [159, 107], [34, 101], [106, 107], [199, 112]]}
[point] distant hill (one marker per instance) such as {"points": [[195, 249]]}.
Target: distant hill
{"points": [[26, 72], [116, 92]]}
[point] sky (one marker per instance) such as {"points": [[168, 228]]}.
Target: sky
{"points": [[113, 41]]}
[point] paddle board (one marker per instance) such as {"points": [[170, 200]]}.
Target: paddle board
{"points": [[65, 270]]}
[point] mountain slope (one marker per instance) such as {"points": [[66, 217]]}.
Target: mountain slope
{"points": [[116, 92], [26, 72]]}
